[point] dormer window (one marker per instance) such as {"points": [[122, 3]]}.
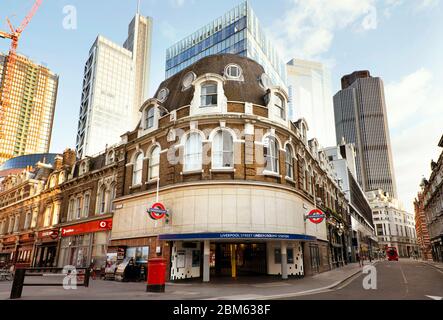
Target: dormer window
{"points": [[209, 94], [233, 72], [110, 157], [149, 117], [280, 106]]}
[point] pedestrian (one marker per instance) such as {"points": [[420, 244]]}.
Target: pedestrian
{"points": [[357, 257]]}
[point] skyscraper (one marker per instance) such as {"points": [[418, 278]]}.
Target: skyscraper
{"points": [[237, 32], [27, 123], [310, 97], [115, 85], [361, 118]]}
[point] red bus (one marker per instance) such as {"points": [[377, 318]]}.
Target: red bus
{"points": [[392, 254]]}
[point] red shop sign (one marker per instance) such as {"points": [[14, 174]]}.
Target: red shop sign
{"points": [[88, 227], [53, 234]]}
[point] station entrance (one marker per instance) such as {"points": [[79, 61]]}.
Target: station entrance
{"points": [[237, 259]]}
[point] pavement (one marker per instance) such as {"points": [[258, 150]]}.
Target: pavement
{"points": [[406, 279], [245, 288], [402, 280]]}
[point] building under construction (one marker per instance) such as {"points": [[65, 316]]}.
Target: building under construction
{"points": [[28, 94], [27, 122]]}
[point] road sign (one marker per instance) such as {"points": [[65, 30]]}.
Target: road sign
{"points": [[157, 211], [316, 216]]}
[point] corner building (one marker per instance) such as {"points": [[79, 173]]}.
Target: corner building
{"points": [[236, 176]]}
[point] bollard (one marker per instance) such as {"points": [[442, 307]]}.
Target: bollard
{"points": [[17, 285], [87, 275]]}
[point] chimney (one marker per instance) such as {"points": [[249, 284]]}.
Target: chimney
{"points": [[58, 162], [69, 157]]}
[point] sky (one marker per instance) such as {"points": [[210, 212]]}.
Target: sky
{"points": [[400, 41]]}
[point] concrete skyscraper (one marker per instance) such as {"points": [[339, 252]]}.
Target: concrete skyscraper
{"points": [[27, 123], [361, 118], [238, 32], [310, 97], [115, 85]]}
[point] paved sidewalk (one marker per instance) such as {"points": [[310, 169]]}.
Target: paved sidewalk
{"points": [[247, 288], [437, 265]]}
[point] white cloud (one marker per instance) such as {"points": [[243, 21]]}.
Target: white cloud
{"points": [[415, 112], [177, 3], [308, 26], [421, 4]]}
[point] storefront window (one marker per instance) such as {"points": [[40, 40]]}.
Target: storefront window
{"points": [[99, 249], [139, 254]]}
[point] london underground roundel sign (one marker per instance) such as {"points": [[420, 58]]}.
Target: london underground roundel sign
{"points": [[157, 211], [316, 216]]}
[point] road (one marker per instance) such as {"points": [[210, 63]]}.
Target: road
{"points": [[403, 280]]}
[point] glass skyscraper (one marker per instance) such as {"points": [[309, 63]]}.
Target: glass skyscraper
{"points": [[237, 32], [115, 85]]}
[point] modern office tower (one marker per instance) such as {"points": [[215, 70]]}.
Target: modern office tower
{"points": [[310, 97], [237, 32], [361, 119], [27, 123], [115, 85]]}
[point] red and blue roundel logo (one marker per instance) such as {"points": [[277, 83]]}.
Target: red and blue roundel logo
{"points": [[316, 216], [157, 211]]}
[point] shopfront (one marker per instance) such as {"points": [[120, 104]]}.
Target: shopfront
{"points": [[235, 255], [85, 244], [25, 249], [46, 248], [7, 251]]}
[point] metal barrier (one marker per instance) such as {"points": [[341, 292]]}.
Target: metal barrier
{"points": [[20, 274]]}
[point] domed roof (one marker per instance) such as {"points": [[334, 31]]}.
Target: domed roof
{"points": [[248, 90]]}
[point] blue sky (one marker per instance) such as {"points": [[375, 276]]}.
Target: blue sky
{"points": [[398, 40]]}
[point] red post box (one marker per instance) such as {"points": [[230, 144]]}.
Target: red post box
{"points": [[156, 275]]}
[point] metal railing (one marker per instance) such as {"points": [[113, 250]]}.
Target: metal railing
{"points": [[20, 274]]}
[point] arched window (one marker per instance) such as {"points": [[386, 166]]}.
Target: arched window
{"points": [[138, 169], [271, 152], [78, 208], [193, 152], [53, 181], [289, 162], [149, 117], [223, 150], [47, 217], [17, 223], [112, 195], [208, 94], [71, 210], [154, 163], [86, 205], [28, 220], [110, 157], [102, 200], [280, 106]]}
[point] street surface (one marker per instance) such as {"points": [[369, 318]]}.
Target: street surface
{"points": [[403, 280], [406, 279]]}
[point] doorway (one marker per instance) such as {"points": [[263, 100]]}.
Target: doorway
{"points": [[238, 259]]}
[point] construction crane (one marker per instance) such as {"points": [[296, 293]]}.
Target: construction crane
{"points": [[14, 36]]}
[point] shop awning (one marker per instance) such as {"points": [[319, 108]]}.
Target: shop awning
{"points": [[236, 236]]}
